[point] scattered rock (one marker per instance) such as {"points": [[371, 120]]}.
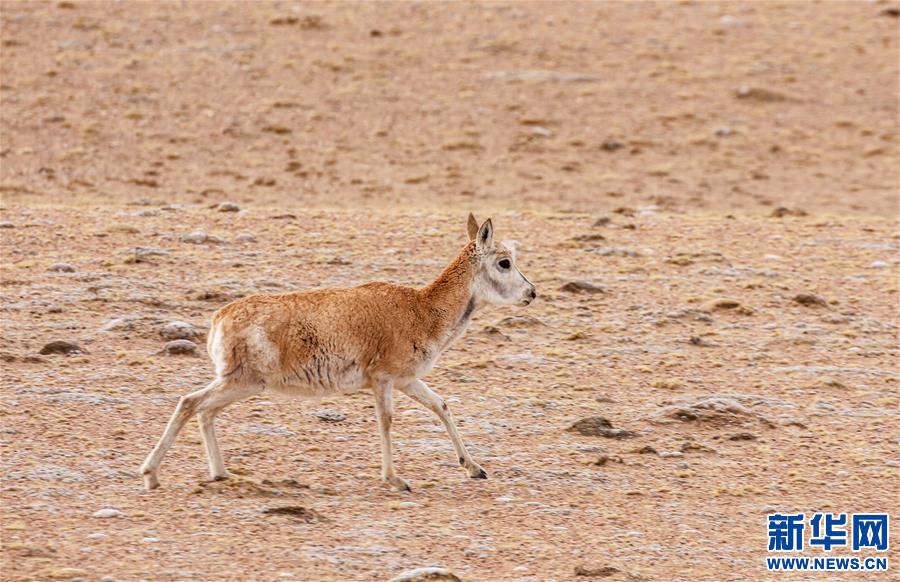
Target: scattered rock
{"points": [[646, 450], [6, 224], [617, 252], [696, 340], [742, 436], [692, 445], [299, 512], [199, 237], [179, 330], [725, 304], [893, 12], [879, 265], [582, 287], [241, 487], [122, 229], [610, 572], [810, 300], [61, 268], [603, 221], [62, 347], [182, 346], [495, 333], [713, 410], [330, 415], [520, 321], [588, 237], [604, 459], [783, 211], [245, 238], [723, 131], [229, 207], [108, 512], [611, 145], [65, 573], [599, 426], [541, 76], [760, 95], [427, 574], [119, 324]]}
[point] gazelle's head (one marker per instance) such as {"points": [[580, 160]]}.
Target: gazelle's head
{"points": [[497, 279]]}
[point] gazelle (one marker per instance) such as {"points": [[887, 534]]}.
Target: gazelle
{"points": [[325, 342]]}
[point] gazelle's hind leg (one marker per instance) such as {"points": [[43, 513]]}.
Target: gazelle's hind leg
{"points": [[206, 416], [214, 397]]}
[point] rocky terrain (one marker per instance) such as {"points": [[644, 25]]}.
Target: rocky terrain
{"points": [[705, 195]]}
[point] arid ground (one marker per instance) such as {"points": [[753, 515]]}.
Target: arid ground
{"points": [[705, 194]]}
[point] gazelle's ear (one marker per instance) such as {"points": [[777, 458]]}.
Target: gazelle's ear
{"points": [[485, 237], [472, 226]]}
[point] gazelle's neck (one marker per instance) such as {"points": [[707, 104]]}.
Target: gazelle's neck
{"points": [[450, 296]]}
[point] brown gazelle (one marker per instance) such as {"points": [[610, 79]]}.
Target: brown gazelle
{"points": [[376, 336]]}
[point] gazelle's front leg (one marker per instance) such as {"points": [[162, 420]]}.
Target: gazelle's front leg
{"points": [[421, 393], [384, 411]]}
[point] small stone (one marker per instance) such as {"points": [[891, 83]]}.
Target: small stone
{"points": [[597, 571], [182, 346], [199, 237], [62, 347], [742, 436], [179, 330], [520, 321], [599, 426], [603, 221], [611, 145], [582, 287], [6, 224], [108, 512], [330, 415], [783, 211], [245, 238], [229, 207], [61, 268], [725, 304], [427, 574], [494, 332], [759, 95], [404, 505], [98, 535], [65, 573], [118, 324], [150, 540], [108, 579], [810, 300], [723, 131], [696, 340], [879, 265]]}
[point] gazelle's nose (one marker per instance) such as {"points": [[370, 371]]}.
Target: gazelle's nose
{"points": [[533, 293]]}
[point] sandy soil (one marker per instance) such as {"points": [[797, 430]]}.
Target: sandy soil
{"points": [[725, 174]]}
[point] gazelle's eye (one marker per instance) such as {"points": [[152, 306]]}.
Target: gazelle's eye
{"points": [[504, 263]]}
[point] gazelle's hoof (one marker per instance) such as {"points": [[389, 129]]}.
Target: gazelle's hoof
{"points": [[398, 483], [476, 472], [151, 481]]}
